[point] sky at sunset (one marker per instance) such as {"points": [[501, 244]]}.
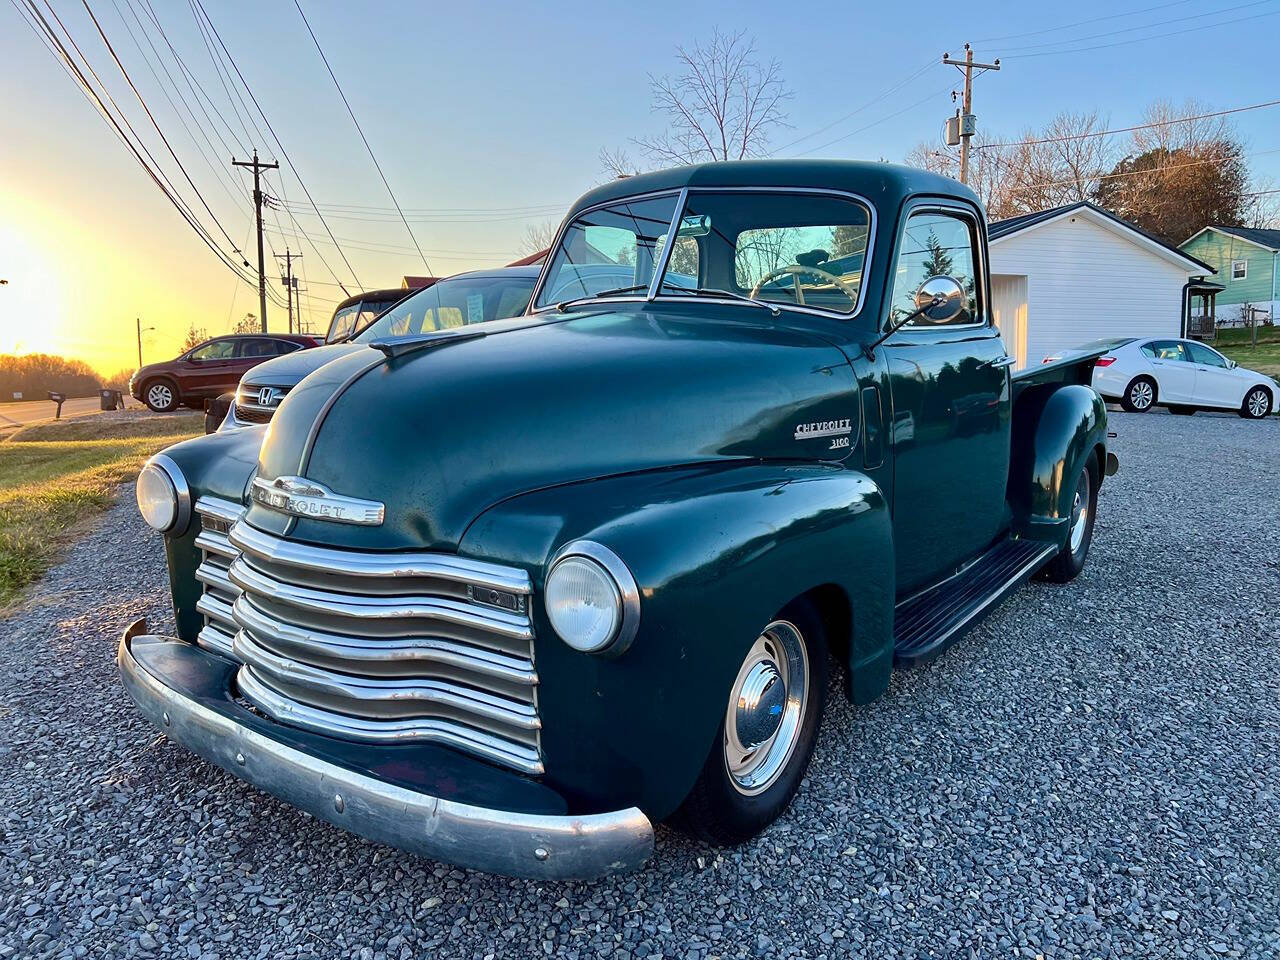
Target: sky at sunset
{"points": [[488, 118]]}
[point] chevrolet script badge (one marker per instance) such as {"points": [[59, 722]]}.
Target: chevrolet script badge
{"points": [[306, 498]]}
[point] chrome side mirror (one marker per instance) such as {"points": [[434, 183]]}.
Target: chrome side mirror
{"points": [[940, 300]]}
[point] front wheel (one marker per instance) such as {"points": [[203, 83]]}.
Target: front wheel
{"points": [[1070, 559], [1140, 395], [1257, 404], [161, 396], [766, 737]]}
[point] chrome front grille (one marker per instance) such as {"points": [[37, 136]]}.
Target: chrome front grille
{"points": [[386, 648], [216, 553]]}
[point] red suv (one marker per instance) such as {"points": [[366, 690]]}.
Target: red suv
{"points": [[209, 369]]}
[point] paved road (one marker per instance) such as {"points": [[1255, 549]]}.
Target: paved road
{"points": [[29, 411], [1090, 773]]}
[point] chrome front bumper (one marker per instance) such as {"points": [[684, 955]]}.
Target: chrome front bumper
{"points": [[538, 846]]}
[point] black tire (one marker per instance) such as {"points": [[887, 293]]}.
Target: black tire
{"points": [[215, 411], [718, 809], [1140, 395], [1181, 410], [1069, 561], [1257, 403], [161, 395]]}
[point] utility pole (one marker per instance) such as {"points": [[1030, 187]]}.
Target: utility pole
{"points": [[257, 203], [964, 124], [290, 283], [140, 331]]}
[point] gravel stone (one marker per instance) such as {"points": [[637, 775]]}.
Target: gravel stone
{"points": [[1091, 772]]}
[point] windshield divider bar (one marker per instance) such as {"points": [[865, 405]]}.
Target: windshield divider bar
{"points": [[660, 268]]}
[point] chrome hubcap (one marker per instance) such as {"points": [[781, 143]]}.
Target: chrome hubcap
{"points": [[1140, 395], [159, 395], [1080, 511], [766, 708], [1257, 403]]}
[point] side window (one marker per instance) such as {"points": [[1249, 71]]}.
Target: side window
{"points": [[217, 350], [1149, 350], [258, 348], [1170, 350], [936, 244], [344, 321], [1210, 358], [287, 346]]}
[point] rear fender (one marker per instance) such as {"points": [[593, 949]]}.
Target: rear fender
{"points": [[1055, 428], [716, 553]]}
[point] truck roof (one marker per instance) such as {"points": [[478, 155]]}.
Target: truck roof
{"points": [[885, 184]]}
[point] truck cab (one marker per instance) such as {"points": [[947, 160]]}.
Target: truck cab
{"points": [[508, 594]]}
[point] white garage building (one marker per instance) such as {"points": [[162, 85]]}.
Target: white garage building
{"points": [[1063, 277]]}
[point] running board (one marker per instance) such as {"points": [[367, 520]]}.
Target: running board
{"points": [[926, 624]]}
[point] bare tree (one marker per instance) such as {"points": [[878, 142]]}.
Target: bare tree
{"points": [[722, 105], [193, 338], [539, 236], [246, 324], [1263, 206]]}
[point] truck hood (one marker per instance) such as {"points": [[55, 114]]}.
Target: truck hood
{"points": [[440, 434], [288, 371]]}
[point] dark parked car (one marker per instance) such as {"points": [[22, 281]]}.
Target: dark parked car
{"points": [[209, 369]]}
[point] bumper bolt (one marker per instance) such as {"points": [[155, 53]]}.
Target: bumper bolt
{"points": [[338, 803], [240, 759], [541, 853], [165, 717]]}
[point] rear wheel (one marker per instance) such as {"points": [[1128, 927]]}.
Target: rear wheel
{"points": [[1070, 559], [1140, 395], [1257, 403], [161, 395], [767, 734]]}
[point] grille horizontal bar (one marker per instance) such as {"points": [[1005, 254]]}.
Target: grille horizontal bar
{"points": [[384, 648], [287, 710]]}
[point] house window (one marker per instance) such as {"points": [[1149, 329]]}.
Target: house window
{"points": [[1239, 269]]}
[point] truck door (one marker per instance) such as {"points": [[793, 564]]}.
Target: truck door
{"points": [[949, 387]]}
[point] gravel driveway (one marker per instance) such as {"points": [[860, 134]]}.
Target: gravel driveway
{"points": [[1092, 772]]}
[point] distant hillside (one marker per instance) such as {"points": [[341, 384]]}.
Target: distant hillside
{"points": [[34, 374]]}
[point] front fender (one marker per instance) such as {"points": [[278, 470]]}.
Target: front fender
{"points": [[219, 465], [1055, 428], [716, 552]]}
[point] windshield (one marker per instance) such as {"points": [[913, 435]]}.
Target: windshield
{"points": [[789, 248], [456, 302]]}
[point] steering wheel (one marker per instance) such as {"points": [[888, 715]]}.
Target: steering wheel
{"points": [[794, 270]]}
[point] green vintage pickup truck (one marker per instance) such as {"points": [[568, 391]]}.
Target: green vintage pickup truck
{"points": [[507, 594]]}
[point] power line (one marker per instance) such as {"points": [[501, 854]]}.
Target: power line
{"points": [[897, 113], [1154, 36], [874, 100], [1141, 26], [150, 116], [1155, 171], [59, 49], [363, 139], [1082, 23], [1140, 126], [284, 153]]}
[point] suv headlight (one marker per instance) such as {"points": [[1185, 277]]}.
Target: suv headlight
{"points": [[164, 500], [591, 599]]}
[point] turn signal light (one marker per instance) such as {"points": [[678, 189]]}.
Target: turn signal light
{"points": [[1104, 361]]}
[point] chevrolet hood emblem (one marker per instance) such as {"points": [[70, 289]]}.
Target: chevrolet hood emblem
{"points": [[301, 497]]}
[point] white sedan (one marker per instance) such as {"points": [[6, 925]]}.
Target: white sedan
{"points": [[1183, 375]]}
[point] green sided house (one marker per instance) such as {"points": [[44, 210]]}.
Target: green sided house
{"points": [[1247, 261]]}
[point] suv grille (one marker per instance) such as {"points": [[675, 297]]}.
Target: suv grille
{"points": [[251, 409], [386, 648]]}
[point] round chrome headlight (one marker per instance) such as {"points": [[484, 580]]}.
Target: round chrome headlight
{"points": [[163, 498], [591, 598]]}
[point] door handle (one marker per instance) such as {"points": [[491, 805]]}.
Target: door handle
{"points": [[1000, 362]]}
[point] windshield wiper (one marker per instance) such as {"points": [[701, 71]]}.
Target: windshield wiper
{"points": [[565, 304], [713, 292]]}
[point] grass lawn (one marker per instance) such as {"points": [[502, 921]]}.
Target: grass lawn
{"points": [[1265, 357], [50, 487]]}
